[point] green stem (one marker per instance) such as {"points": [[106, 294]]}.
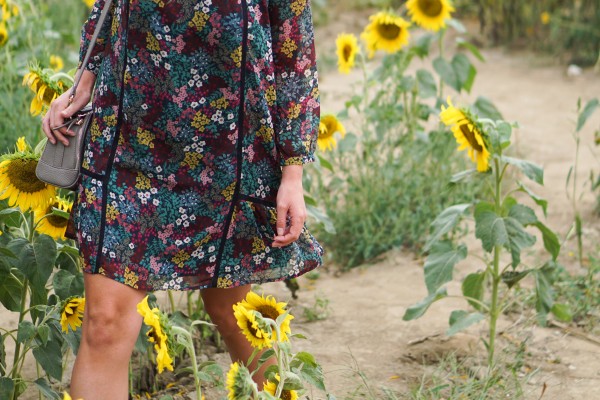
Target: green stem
{"points": [[37, 369], [189, 346], [494, 307], [189, 304], [441, 43], [171, 300], [15, 369]]}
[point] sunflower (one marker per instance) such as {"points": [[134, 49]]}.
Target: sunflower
{"points": [[3, 33], [20, 185], [22, 145], [157, 334], [72, 313], [239, 383], [259, 335], [89, 3], [271, 388], [328, 126], [545, 17], [56, 62], [468, 134], [46, 90], [268, 307], [51, 224], [430, 14], [347, 48], [386, 32]]}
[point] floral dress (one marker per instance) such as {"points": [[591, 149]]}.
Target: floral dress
{"points": [[198, 104]]}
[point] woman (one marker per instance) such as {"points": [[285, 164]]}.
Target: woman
{"points": [[204, 113]]}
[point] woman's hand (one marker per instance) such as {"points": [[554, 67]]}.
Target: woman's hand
{"points": [[60, 110], [290, 202]]}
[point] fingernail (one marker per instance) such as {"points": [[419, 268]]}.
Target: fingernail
{"points": [[279, 231]]}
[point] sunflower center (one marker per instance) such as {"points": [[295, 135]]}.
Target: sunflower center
{"points": [[467, 133], [388, 31], [325, 132], [252, 330], [286, 395], [268, 312], [347, 52], [21, 174], [55, 220], [49, 95], [431, 8]]}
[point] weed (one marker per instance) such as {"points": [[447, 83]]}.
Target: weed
{"points": [[318, 311]]}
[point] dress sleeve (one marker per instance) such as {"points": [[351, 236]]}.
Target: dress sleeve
{"points": [[296, 119], [87, 31]]}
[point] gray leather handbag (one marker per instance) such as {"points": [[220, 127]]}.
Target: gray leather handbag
{"points": [[60, 165]]}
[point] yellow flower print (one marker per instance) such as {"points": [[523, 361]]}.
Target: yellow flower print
{"points": [[271, 95], [131, 278], [180, 258], [192, 159], [200, 121], [152, 43], [228, 191], [298, 6], [289, 46], [199, 20], [142, 182], [236, 56], [294, 111], [257, 245], [145, 137]]}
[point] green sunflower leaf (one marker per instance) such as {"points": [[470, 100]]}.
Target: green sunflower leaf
{"points": [[523, 214], [7, 388], [417, 310], [447, 73], [494, 230], [551, 242], [46, 390], [465, 71], [440, 263], [461, 320], [472, 286], [537, 199], [25, 332], [484, 108], [50, 358], [10, 291], [531, 170], [544, 279], [587, 112], [427, 85], [471, 47], [511, 278], [445, 222], [67, 284]]}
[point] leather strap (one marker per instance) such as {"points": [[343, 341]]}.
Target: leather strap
{"points": [[91, 44]]}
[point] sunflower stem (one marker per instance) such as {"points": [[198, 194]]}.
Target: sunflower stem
{"points": [[171, 300], [15, 369], [495, 269], [441, 43], [62, 75]]}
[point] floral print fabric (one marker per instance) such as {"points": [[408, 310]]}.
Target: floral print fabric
{"points": [[197, 106]]}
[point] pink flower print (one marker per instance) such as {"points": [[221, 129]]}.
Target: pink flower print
{"points": [[155, 265], [250, 152], [179, 44], [204, 176], [173, 128], [171, 182], [166, 233], [181, 96]]}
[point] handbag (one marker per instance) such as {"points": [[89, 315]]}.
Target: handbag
{"points": [[60, 165]]}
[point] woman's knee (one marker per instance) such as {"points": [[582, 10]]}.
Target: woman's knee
{"points": [[106, 327], [218, 303]]}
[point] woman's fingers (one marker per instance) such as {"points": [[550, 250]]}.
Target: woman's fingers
{"points": [[287, 235]]}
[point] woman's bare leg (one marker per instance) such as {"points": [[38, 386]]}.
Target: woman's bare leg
{"points": [[111, 325], [219, 305]]}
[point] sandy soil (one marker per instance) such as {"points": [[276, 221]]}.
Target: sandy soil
{"points": [[365, 330]]}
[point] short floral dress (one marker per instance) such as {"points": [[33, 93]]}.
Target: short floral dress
{"points": [[198, 104]]}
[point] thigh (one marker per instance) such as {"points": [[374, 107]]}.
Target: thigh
{"points": [[218, 300]]}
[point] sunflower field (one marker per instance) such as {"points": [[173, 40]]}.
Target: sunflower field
{"points": [[432, 202]]}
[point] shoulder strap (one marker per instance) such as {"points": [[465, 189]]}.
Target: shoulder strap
{"points": [[91, 44]]}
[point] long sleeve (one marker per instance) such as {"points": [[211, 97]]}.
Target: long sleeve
{"points": [[87, 31], [296, 119]]}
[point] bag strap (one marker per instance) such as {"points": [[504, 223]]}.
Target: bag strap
{"points": [[91, 44]]}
